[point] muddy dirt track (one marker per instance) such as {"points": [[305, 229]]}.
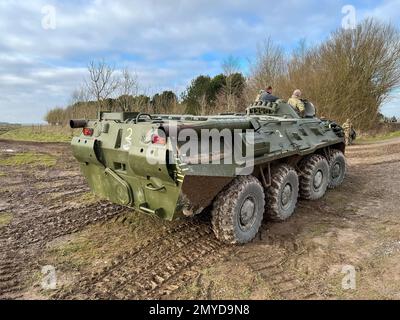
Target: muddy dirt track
{"points": [[104, 251]]}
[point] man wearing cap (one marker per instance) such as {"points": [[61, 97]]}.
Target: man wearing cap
{"points": [[296, 102]]}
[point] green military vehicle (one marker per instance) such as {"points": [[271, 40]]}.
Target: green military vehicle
{"points": [[241, 166]]}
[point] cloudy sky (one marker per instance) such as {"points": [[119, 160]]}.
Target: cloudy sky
{"points": [[46, 45]]}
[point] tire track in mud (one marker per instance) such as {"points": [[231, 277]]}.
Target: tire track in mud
{"points": [[29, 196], [46, 227], [155, 268], [268, 256], [180, 254], [20, 242], [34, 180], [11, 274], [378, 153], [41, 212]]}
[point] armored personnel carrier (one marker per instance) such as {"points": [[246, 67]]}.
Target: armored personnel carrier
{"points": [[242, 166]]}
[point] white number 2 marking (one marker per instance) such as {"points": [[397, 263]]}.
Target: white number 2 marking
{"points": [[128, 139]]}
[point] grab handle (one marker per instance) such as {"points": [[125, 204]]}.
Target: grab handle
{"points": [[152, 188]]}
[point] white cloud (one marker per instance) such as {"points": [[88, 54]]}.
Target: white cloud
{"points": [[388, 10], [392, 106]]}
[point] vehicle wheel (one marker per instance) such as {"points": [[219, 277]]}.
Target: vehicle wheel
{"points": [[238, 210], [281, 196], [337, 169], [314, 177]]}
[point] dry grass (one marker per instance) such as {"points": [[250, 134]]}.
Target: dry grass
{"points": [[29, 159], [371, 139], [5, 218], [41, 133]]}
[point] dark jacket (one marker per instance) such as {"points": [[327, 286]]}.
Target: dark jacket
{"points": [[267, 97]]}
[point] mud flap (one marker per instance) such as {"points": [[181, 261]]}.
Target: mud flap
{"points": [[198, 192]]}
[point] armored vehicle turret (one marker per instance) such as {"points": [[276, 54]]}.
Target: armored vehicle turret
{"points": [[243, 166]]}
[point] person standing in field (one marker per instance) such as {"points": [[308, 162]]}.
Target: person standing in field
{"points": [[348, 128]]}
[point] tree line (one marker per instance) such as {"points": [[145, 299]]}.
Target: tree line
{"points": [[349, 75]]}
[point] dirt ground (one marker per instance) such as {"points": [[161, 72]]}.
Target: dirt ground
{"points": [[102, 251]]}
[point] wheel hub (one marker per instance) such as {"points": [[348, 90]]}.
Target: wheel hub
{"points": [[318, 178], [247, 213], [286, 195], [336, 170]]}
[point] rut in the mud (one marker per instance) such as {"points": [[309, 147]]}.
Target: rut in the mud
{"points": [[291, 259], [152, 268], [38, 217]]}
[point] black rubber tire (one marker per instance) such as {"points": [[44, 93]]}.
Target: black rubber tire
{"points": [[337, 161], [281, 176], [309, 167], [228, 205]]}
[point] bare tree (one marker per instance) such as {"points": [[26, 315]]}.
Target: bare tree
{"points": [[230, 65], [270, 65], [202, 101], [351, 74], [55, 116], [80, 94], [348, 76], [227, 97], [128, 88], [102, 82]]}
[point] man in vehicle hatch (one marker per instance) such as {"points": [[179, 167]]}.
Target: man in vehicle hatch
{"points": [[296, 103], [267, 95]]}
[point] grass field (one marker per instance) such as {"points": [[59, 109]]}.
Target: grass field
{"points": [[375, 138], [40, 133], [28, 158], [7, 127]]}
